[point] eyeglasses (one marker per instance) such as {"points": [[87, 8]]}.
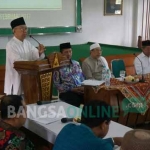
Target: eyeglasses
{"points": [[22, 28], [97, 50]]}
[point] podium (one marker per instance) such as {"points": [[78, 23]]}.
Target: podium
{"points": [[36, 76]]}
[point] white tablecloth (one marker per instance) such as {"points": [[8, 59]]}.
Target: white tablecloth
{"points": [[50, 131]]}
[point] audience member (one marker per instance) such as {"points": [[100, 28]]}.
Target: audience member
{"points": [[93, 65], [13, 116], [136, 140], [19, 49], [142, 63], [68, 79], [95, 121]]}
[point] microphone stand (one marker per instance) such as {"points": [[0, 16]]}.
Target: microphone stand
{"points": [[35, 39], [141, 80]]}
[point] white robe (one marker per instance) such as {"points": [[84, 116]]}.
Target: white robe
{"points": [[142, 67], [17, 50]]}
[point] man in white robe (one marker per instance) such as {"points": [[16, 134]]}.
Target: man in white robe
{"points": [[19, 49], [142, 61]]}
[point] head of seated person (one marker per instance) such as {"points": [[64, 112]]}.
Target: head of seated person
{"points": [[95, 51], [95, 120], [13, 116], [66, 50], [137, 139], [97, 115], [146, 47], [13, 110]]}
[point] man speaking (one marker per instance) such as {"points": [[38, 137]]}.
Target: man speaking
{"points": [[19, 49]]}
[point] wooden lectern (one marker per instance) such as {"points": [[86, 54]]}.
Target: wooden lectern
{"points": [[36, 76]]}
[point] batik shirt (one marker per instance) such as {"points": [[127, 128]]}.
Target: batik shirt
{"points": [[13, 139], [68, 77]]}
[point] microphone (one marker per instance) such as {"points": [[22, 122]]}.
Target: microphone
{"points": [[142, 80], [34, 39], [46, 102], [65, 120]]}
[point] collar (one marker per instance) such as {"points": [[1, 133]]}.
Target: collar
{"points": [[142, 54], [87, 128], [17, 40], [72, 61]]}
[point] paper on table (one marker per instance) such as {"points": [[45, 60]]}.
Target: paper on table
{"points": [[49, 118], [120, 79], [92, 82]]}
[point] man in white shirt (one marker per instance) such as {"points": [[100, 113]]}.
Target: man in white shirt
{"points": [[19, 49], [143, 60], [93, 65]]}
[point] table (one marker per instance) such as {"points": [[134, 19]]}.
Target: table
{"points": [[114, 96], [50, 131]]}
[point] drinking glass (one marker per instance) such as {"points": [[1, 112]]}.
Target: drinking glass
{"points": [[122, 74]]}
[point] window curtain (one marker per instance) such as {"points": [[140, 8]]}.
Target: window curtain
{"points": [[145, 31], [146, 20]]}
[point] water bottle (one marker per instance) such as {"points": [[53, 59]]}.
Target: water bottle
{"points": [[112, 76], [104, 70], [107, 78]]}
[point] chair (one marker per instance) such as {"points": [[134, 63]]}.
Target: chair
{"points": [[116, 66]]}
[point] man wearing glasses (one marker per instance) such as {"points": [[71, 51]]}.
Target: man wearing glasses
{"points": [[68, 79], [93, 65], [19, 49]]}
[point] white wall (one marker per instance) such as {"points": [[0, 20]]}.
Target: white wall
{"points": [[116, 30]]}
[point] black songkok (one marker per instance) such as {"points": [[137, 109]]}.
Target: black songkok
{"points": [[17, 22], [146, 43], [64, 46]]}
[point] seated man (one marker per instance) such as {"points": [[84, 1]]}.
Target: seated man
{"points": [[88, 135], [136, 140], [93, 65], [13, 116], [142, 63], [68, 79]]}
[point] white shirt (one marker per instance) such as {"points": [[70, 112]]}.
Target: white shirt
{"points": [[17, 50], [145, 64]]}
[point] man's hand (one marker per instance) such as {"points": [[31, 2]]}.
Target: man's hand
{"points": [[41, 48], [79, 90], [117, 140]]}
